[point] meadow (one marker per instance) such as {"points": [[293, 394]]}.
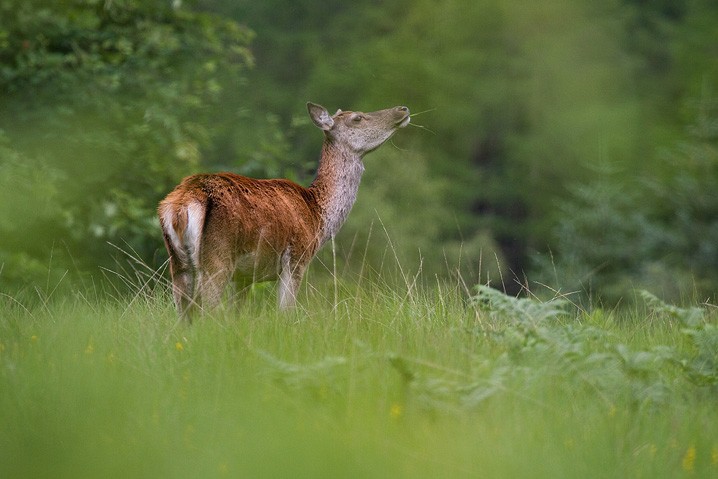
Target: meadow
{"points": [[393, 381]]}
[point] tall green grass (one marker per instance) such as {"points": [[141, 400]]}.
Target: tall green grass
{"points": [[363, 380]]}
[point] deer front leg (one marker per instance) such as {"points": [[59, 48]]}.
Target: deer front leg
{"points": [[290, 277]]}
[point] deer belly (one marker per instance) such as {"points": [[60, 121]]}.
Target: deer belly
{"points": [[258, 266]]}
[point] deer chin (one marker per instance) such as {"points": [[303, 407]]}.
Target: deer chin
{"points": [[405, 121]]}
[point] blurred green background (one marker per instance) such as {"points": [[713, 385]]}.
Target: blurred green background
{"points": [[565, 143]]}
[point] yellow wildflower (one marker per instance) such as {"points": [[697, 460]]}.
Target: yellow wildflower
{"points": [[396, 411], [714, 455], [33, 338], [652, 450], [689, 459], [179, 346]]}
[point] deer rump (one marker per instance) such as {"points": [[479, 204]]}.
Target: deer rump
{"points": [[226, 225]]}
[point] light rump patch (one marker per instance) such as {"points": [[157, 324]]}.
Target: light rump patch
{"points": [[193, 234]]}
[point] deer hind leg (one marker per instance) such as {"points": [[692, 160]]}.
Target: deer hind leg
{"points": [[215, 272], [212, 283], [183, 277], [183, 290], [182, 231]]}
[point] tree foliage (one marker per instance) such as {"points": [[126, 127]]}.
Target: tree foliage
{"points": [[106, 105], [538, 128], [657, 231]]}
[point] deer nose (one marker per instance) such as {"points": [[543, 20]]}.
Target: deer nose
{"points": [[403, 109]]}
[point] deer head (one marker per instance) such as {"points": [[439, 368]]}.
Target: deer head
{"points": [[361, 132]]}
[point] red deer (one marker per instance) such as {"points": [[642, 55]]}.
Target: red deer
{"points": [[222, 227]]}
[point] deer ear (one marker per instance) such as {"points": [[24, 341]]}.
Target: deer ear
{"points": [[320, 116]]}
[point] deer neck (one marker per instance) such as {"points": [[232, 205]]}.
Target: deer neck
{"points": [[336, 186]]}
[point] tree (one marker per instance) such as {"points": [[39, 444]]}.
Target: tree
{"points": [[106, 105], [657, 231]]}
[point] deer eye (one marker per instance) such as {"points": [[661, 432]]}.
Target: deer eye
{"points": [[357, 118]]}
